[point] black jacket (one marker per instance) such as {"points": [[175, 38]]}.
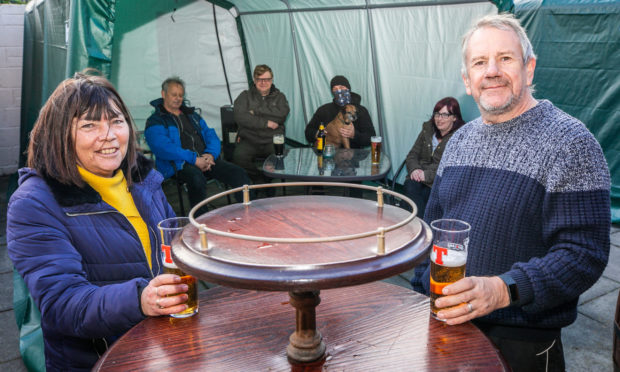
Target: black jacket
{"points": [[326, 113], [252, 111]]}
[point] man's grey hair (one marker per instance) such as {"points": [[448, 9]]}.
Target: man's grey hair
{"points": [[506, 22], [172, 80]]}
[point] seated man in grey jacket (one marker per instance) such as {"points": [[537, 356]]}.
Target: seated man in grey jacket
{"points": [[260, 113]]}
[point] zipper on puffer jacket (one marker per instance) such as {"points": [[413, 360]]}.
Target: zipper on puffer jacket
{"points": [[133, 228], [157, 256], [100, 345]]}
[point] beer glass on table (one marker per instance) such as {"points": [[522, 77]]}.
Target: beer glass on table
{"points": [[375, 149], [448, 256], [278, 144], [168, 229]]}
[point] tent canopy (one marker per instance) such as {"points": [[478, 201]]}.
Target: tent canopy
{"points": [[387, 50], [400, 56], [578, 68]]}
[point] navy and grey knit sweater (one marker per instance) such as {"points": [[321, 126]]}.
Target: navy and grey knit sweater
{"points": [[535, 190]]}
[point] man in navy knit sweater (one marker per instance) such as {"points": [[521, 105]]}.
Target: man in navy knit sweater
{"points": [[534, 185]]}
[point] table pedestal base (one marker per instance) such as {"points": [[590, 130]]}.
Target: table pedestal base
{"points": [[306, 343]]}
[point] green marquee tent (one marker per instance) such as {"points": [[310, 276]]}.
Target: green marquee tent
{"points": [[401, 56]]}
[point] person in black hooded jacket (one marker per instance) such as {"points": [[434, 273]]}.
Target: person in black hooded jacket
{"points": [[362, 129]]}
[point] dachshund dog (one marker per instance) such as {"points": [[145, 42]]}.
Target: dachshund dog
{"points": [[346, 116]]}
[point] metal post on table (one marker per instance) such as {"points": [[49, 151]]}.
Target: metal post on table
{"points": [[380, 197], [246, 194], [381, 241], [204, 244]]}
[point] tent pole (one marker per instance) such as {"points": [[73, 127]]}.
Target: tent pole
{"points": [[375, 73], [246, 59], [406, 4], [219, 45], [301, 88]]}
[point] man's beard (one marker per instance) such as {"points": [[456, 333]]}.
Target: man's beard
{"points": [[505, 107]]}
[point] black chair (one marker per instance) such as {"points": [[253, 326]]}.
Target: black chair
{"points": [[180, 186], [229, 131], [144, 147]]}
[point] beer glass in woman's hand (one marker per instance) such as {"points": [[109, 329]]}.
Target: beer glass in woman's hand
{"points": [[168, 229]]}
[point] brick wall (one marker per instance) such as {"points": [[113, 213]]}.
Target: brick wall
{"points": [[11, 50]]}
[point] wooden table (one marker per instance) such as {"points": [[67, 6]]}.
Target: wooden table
{"points": [[371, 327], [304, 164]]}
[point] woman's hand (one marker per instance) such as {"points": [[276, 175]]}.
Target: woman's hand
{"points": [[472, 297], [417, 175], [154, 301]]}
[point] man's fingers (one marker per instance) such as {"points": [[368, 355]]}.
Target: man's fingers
{"points": [[459, 286]]}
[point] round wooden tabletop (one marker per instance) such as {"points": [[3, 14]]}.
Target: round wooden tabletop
{"points": [[371, 327], [272, 266]]}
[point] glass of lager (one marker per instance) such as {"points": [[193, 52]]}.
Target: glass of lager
{"points": [[448, 256], [278, 144], [375, 149], [168, 229]]}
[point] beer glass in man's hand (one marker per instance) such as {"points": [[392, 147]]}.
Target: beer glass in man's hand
{"points": [[278, 144], [448, 256], [168, 228]]}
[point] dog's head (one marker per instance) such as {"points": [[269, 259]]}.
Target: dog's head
{"points": [[349, 113]]}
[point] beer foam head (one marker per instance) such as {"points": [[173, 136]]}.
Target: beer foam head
{"points": [[278, 140], [170, 265], [450, 258], [375, 139]]}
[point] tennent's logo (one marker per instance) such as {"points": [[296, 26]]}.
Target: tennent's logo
{"points": [[439, 252], [167, 254]]}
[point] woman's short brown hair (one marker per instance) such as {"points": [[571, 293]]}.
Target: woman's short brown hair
{"points": [[51, 151]]}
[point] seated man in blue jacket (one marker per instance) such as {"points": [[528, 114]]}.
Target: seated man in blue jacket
{"points": [[181, 140]]}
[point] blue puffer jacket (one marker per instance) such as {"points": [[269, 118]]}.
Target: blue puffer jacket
{"points": [[83, 261], [162, 135]]}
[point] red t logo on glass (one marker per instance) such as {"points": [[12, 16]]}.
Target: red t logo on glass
{"points": [[439, 251], [167, 253]]}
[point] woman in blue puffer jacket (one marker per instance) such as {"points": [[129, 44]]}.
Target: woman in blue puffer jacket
{"points": [[81, 227]]}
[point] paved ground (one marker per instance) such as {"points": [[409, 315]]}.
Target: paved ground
{"points": [[587, 342]]}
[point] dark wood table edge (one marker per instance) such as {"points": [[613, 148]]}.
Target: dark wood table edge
{"points": [[204, 295], [279, 278]]}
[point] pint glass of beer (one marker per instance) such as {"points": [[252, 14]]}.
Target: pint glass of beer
{"points": [[375, 149], [278, 144], [168, 229], [448, 256]]}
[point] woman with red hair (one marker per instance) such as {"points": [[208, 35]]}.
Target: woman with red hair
{"points": [[425, 155]]}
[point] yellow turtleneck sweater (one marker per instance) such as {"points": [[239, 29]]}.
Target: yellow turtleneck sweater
{"points": [[114, 191]]}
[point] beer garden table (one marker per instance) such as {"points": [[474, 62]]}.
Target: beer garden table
{"points": [[371, 327], [322, 250]]}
